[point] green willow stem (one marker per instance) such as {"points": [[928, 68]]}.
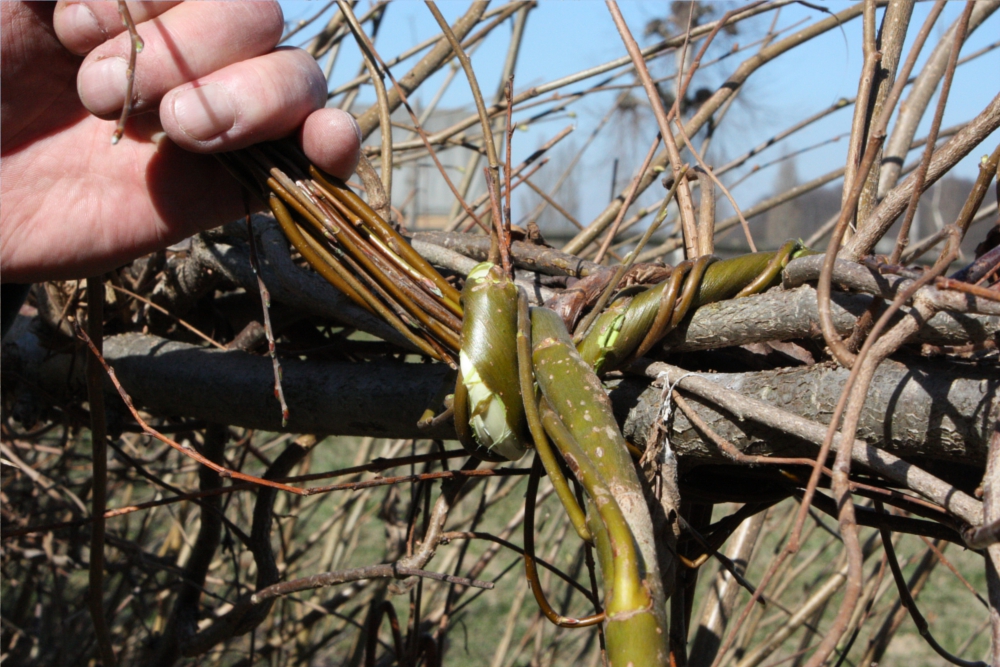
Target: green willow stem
{"points": [[630, 327], [546, 455], [576, 413], [626, 590]]}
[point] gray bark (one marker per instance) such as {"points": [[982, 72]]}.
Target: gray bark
{"points": [[785, 314], [931, 410], [920, 409]]}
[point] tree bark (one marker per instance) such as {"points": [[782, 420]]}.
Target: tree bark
{"points": [[924, 408]]}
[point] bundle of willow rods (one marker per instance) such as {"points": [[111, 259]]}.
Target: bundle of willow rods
{"points": [[352, 247]]}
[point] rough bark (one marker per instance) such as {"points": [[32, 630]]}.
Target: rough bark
{"points": [[787, 314], [991, 512], [926, 409], [919, 409]]}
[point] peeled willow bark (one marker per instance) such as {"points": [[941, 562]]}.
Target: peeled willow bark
{"points": [[489, 410], [577, 414]]}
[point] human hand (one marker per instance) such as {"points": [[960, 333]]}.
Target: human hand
{"points": [[208, 79]]}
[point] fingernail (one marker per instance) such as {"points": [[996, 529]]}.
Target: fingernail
{"points": [[102, 85], [354, 124], [81, 24], [204, 112]]}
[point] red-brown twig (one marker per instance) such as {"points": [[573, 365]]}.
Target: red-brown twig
{"points": [[849, 405], [374, 466], [265, 302], [187, 451], [959, 286]]}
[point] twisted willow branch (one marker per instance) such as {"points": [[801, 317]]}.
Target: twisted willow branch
{"points": [[634, 322], [504, 351]]}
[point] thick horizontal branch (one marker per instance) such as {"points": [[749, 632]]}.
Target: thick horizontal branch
{"points": [[525, 255], [786, 314], [933, 409], [173, 379]]}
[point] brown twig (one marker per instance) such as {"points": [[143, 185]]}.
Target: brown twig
{"points": [[383, 571], [456, 46], [135, 46], [454, 223], [860, 123], [420, 131], [921, 175], [850, 404], [732, 201], [384, 112], [98, 436], [629, 198], [265, 302], [911, 606], [684, 201], [181, 321]]}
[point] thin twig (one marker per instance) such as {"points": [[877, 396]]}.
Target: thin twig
{"points": [[187, 451], [205, 337], [721, 186], [921, 175], [135, 46], [684, 201], [99, 444], [383, 571], [456, 46], [265, 301], [629, 198], [384, 112], [911, 605]]}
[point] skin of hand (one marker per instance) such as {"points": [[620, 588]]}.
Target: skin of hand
{"points": [[209, 79]]}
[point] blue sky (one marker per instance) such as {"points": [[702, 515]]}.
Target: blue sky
{"points": [[565, 37]]}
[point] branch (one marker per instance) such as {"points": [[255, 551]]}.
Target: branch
{"points": [[918, 409], [943, 160], [903, 401]]}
